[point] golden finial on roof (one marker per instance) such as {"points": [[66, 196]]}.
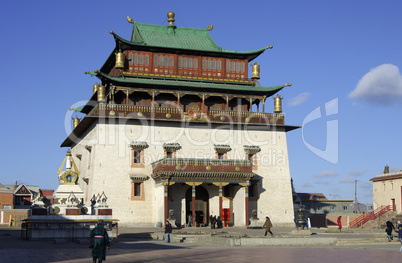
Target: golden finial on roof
{"points": [[171, 18], [288, 84], [210, 27], [130, 20], [269, 47]]}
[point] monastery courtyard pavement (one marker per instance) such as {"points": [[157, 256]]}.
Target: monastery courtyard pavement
{"points": [[358, 246]]}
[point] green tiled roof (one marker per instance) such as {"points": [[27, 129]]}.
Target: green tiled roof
{"points": [[180, 38]]}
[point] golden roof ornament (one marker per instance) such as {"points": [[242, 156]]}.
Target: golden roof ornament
{"points": [[210, 27], [130, 20], [277, 104], [95, 87], [76, 121], [171, 19]]}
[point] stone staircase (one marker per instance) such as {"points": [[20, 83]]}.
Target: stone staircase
{"points": [[379, 223]]}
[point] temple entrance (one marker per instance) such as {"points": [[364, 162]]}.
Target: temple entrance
{"points": [[201, 205]]}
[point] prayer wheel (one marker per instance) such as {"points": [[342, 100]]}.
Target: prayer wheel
{"points": [[76, 121], [255, 73], [278, 104], [101, 94], [119, 60]]}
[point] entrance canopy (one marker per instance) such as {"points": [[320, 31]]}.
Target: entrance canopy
{"points": [[202, 170]]}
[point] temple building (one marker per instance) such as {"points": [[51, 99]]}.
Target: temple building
{"points": [[176, 129]]}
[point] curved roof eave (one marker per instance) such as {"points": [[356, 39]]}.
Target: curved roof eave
{"points": [[249, 55], [202, 86]]}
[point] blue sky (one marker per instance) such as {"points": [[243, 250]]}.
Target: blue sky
{"points": [[342, 58]]}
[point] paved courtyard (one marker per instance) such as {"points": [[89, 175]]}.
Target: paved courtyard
{"points": [[131, 249]]}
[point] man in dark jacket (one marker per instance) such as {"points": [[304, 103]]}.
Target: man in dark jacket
{"points": [[168, 231], [99, 242], [389, 229]]}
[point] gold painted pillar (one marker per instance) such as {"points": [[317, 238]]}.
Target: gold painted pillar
{"points": [[127, 103], [251, 104], [203, 102], [227, 102], [178, 100], [263, 104], [220, 201], [193, 205], [153, 99], [165, 212]]}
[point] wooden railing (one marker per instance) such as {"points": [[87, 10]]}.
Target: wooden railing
{"points": [[361, 220]]}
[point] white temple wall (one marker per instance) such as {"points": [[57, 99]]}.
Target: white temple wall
{"points": [[110, 166]]}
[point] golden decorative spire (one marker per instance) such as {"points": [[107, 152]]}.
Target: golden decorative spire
{"points": [[210, 27], [68, 155], [171, 19], [130, 20]]}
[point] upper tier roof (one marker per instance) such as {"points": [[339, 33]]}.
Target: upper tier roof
{"points": [[187, 40]]}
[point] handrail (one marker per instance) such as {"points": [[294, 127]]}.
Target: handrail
{"points": [[379, 211]]}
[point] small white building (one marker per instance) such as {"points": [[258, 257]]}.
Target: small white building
{"points": [[387, 190]]}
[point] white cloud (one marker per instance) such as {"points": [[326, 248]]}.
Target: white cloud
{"points": [[382, 85], [326, 174], [346, 180], [321, 182], [306, 185], [357, 172], [299, 99]]}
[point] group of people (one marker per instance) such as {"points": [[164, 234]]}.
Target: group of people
{"points": [[215, 222]]}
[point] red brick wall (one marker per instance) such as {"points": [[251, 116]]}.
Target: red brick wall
{"points": [[6, 199]]}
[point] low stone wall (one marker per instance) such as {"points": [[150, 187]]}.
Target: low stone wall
{"points": [[13, 217], [255, 241]]}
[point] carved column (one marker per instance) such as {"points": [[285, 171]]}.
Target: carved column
{"points": [[246, 206], [245, 185]]}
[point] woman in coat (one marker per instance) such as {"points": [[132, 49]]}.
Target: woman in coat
{"points": [[267, 226], [99, 242], [339, 223]]}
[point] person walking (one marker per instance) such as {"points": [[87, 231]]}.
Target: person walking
{"points": [[399, 231], [389, 229], [99, 242], [268, 225], [168, 231], [339, 221]]}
